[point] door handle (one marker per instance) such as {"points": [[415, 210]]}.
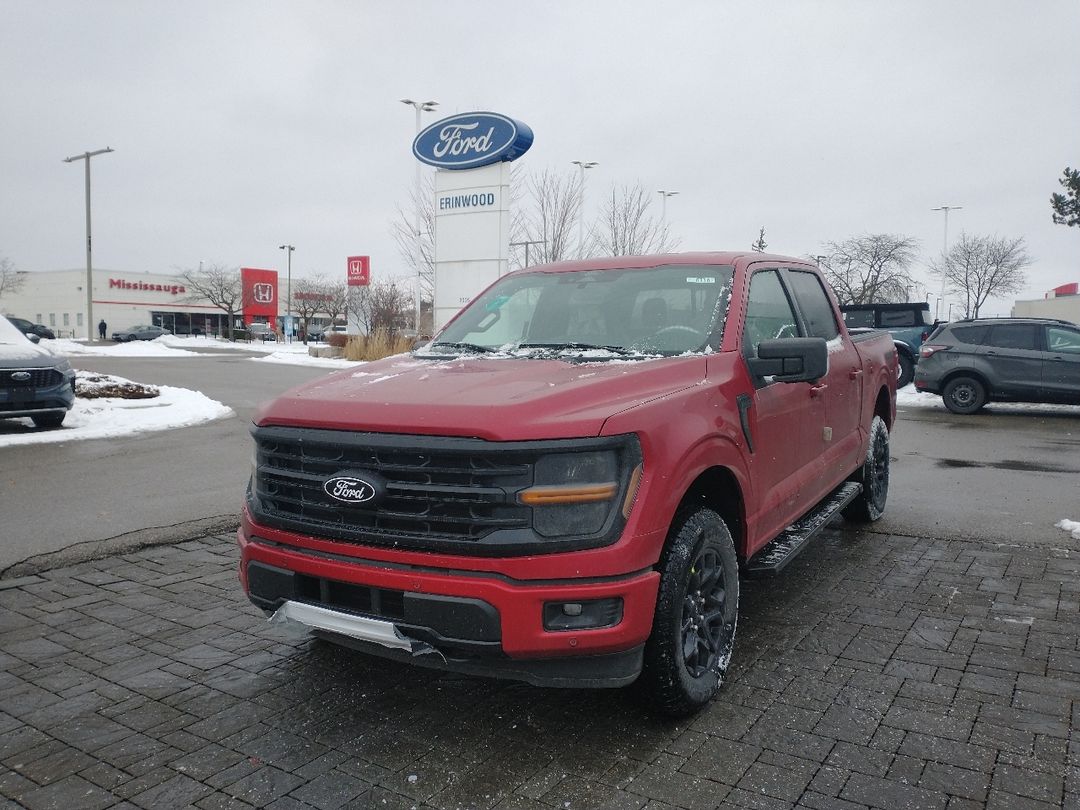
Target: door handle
{"points": [[817, 390], [854, 374]]}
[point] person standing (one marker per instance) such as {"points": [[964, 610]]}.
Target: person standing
{"points": [[102, 329]]}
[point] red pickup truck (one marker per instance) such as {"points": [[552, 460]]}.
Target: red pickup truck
{"points": [[563, 486]]}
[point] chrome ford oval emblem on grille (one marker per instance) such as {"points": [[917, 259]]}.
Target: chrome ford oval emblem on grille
{"points": [[350, 489], [20, 376]]}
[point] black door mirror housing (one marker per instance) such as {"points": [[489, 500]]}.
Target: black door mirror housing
{"points": [[791, 360]]}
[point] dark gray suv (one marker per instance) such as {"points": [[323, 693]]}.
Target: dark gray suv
{"points": [[985, 360]]}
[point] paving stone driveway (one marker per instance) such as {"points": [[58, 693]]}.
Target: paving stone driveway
{"points": [[878, 671]]}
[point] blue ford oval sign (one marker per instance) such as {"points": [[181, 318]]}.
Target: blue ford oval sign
{"points": [[350, 489], [470, 140]]}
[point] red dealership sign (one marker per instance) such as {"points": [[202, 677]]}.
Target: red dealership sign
{"points": [[260, 293], [359, 271]]}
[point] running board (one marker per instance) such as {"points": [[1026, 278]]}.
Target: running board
{"points": [[771, 560]]}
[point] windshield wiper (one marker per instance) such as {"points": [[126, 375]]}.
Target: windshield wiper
{"points": [[466, 347], [577, 346]]}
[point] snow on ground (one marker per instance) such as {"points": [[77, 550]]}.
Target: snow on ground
{"points": [[1071, 526], [109, 417], [294, 353], [908, 397], [135, 348], [296, 359]]}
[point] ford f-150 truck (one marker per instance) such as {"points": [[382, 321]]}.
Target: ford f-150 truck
{"points": [[563, 485]]}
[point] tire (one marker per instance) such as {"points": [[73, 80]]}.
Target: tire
{"points": [[964, 395], [874, 477], [697, 610], [46, 421], [905, 371]]}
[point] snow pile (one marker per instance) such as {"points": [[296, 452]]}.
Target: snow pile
{"points": [[294, 358], [220, 344], [908, 397], [135, 348], [1071, 526], [109, 417], [103, 386]]}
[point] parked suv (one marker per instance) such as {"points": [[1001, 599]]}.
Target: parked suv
{"points": [[33, 382], [973, 362], [909, 324]]}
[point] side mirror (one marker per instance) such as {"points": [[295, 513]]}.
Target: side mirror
{"points": [[791, 360], [32, 337]]}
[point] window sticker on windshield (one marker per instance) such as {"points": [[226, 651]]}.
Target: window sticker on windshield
{"points": [[701, 280], [496, 303]]}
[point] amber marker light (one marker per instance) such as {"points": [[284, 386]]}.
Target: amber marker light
{"points": [[582, 493]]}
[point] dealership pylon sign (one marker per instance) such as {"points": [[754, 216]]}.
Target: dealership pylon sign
{"points": [[472, 152], [359, 271]]}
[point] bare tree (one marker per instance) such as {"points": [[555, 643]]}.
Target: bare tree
{"points": [[627, 228], [221, 286], [403, 229], [11, 280], [760, 244], [309, 296], [383, 306], [337, 300], [548, 215], [978, 267], [870, 269]]}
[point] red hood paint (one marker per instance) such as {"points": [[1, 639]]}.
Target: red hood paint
{"points": [[498, 399]]}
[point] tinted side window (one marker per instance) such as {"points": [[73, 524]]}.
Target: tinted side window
{"points": [[1013, 336], [768, 312], [973, 335], [859, 319], [814, 304], [1062, 340], [898, 318]]}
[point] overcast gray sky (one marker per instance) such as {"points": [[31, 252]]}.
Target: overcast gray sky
{"points": [[242, 125]]}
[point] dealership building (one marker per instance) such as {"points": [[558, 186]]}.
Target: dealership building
{"points": [[57, 298]]}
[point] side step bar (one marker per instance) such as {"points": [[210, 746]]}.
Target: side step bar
{"points": [[778, 553]]}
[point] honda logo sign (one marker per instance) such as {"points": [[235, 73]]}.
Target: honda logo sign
{"points": [[359, 268], [262, 293]]}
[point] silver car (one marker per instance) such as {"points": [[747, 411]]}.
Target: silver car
{"points": [[139, 333]]}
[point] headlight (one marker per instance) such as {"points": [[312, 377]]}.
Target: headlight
{"points": [[574, 493]]}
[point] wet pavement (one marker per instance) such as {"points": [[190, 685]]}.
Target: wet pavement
{"points": [[878, 671]]}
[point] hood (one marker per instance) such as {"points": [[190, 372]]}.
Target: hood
{"points": [[499, 399], [24, 353]]}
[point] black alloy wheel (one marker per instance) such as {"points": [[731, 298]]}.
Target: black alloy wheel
{"points": [[905, 370], [696, 615], [869, 505]]}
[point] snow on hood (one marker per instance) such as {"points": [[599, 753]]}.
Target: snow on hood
{"points": [[504, 399], [16, 348]]}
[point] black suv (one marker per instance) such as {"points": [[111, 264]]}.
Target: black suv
{"points": [[984, 360], [31, 328]]}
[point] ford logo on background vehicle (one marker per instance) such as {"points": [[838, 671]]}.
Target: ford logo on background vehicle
{"points": [[350, 489], [471, 140]]}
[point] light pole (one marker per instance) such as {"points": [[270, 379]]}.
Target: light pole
{"points": [[420, 107], [89, 261], [663, 204], [526, 243], [288, 289], [582, 166], [944, 251]]}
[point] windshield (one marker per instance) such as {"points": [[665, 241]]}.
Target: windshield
{"points": [[666, 310]]}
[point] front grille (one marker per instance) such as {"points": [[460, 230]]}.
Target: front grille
{"points": [[39, 377], [440, 493]]}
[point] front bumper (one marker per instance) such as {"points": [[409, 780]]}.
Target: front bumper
{"points": [[467, 621], [17, 401]]}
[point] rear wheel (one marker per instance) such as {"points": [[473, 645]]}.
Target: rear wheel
{"points": [[874, 477], [697, 609], [905, 371], [49, 420], [964, 395]]}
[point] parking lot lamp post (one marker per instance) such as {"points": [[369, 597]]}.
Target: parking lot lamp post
{"points": [[582, 166], [663, 204], [288, 289], [89, 261], [944, 250], [420, 107]]}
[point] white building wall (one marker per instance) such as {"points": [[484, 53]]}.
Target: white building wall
{"points": [[57, 299], [1064, 307]]}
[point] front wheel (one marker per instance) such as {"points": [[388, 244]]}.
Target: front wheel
{"points": [[964, 395], [869, 505], [697, 609], [48, 421], [905, 371]]}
